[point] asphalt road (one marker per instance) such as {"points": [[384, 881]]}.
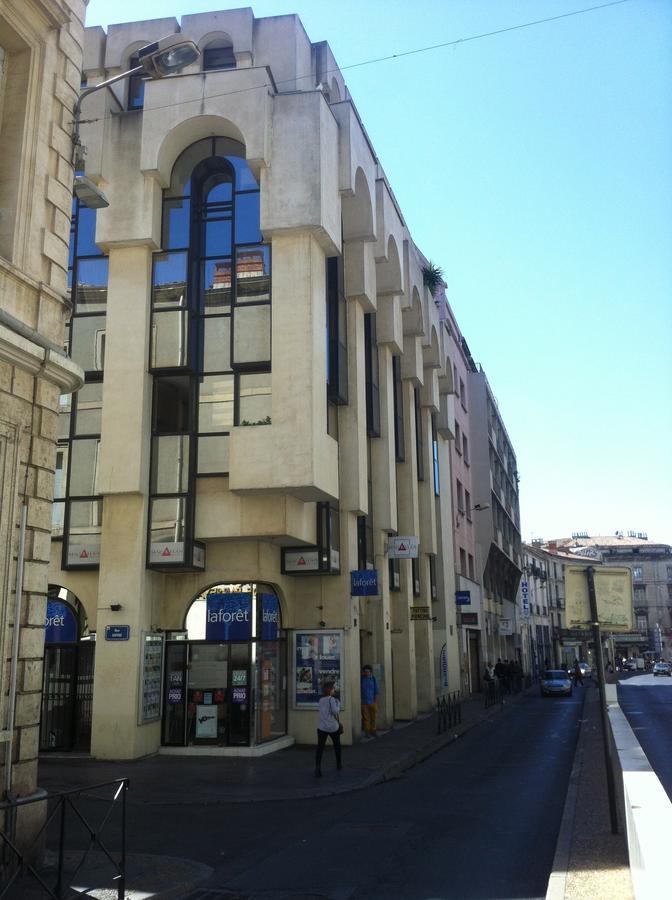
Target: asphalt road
{"points": [[646, 701], [477, 821]]}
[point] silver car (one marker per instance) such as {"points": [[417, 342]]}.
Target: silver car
{"points": [[556, 682], [662, 668]]}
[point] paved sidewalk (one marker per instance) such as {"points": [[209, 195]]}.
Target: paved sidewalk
{"points": [[590, 862]]}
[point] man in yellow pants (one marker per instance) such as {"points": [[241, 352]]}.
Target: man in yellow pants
{"points": [[369, 702]]}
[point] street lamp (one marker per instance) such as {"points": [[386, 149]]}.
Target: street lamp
{"points": [[166, 56], [477, 507]]}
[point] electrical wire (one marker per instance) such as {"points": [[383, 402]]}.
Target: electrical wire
{"points": [[380, 59]]}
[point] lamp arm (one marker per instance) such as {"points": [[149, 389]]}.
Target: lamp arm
{"points": [[76, 112]]}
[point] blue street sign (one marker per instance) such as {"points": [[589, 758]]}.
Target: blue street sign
{"points": [[117, 632], [364, 583], [463, 598]]}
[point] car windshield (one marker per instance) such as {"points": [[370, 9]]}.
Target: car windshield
{"points": [[555, 675]]}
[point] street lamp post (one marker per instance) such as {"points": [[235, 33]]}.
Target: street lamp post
{"points": [[166, 56]]}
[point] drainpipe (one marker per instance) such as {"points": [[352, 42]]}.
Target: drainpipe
{"points": [[15, 648]]}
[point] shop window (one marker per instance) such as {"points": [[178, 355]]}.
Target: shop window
{"points": [[471, 567], [399, 448], [371, 376]]}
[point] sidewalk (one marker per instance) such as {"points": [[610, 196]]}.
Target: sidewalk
{"points": [[589, 862]]}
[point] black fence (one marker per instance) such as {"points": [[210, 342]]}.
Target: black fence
{"points": [[77, 843], [448, 711]]}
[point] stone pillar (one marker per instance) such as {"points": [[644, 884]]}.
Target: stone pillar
{"points": [[124, 479]]}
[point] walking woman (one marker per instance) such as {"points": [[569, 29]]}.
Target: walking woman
{"points": [[328, 726]]}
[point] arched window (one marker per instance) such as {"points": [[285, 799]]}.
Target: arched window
{"points": [[219, 54], [211, 332]]}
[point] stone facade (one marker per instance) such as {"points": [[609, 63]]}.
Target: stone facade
{"points": [[353, 429], [40, 60]]}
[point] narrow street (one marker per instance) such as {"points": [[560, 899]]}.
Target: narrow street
{"points": [[479, 819]]}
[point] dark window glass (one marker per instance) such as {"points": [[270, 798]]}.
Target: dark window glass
{"points": [[415, 574], [253, 274], [170, 336], [247, 219], [171, 407], [245, 180], [435, 457], [361, 542], [136, 86], [394, 568], [215, 403], [170, 464], [88, 408], [218, 189], [419, 444], [170, 279], [176, 215], [167, 520], [216, 280], [91, 293], [254, 398], [337, 351], [84, 467], [399, 447], [219, 58], [432, 577], [218, 237], [371, 376], [86, 231]]}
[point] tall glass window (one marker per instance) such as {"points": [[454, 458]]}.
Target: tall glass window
{"points": [[77, 510], [211, 324], [371, 376]]}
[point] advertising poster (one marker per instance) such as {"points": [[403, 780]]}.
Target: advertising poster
{"points": [[228, 617], [60, 626], [317, 658]]}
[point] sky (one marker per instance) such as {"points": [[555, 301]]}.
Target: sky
{"points": [[535, 167]]}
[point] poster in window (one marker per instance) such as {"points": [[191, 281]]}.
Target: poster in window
{"points": [[151, 677], [318, 657]]}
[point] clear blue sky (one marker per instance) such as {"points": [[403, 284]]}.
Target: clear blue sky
{"points": [[535, 167]]}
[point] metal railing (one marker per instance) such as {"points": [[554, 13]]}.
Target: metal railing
{"points": [[29, 866], [448, 711]]}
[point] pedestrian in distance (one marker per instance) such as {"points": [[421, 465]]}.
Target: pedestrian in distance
{"points": [[329, 725], [369, 700], [578, 675]]}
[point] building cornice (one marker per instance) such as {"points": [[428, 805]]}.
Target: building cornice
{"points": [[42, 361]]}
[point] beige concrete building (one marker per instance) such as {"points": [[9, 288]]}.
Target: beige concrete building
{"points": [[494, 473], [40, 61], [269, 401]]}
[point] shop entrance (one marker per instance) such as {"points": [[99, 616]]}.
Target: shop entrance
{"points": [[207, 694], [225, 681], [67, 680]]}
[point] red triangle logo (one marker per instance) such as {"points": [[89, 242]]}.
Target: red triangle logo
{"points": [[301, 561], [402, 547], [83, 555], [166, 552]]}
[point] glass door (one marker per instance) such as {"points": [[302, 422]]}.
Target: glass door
{"points": [[207, 701], [58, 697], [175, 694]]}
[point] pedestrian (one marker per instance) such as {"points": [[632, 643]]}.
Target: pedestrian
{"points": [[329, 725], [578, 676], [489, 674], [369, 689]]}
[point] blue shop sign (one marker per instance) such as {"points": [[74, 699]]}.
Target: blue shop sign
{"points": [[270, 617], [60, 626], [463, 598], [228, 617], [364, 583]]}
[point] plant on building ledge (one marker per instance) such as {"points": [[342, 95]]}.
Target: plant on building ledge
{"points": [[432, 277], [266, 421]]}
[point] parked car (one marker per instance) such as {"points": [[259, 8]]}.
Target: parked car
{"points": [[662, 668], [556, 682], [629, 665]]}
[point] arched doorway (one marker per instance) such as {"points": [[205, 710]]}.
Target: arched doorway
{"points": [[226, 672], [67, 679]]}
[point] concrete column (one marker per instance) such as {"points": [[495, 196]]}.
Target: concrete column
{"points": [[424, 641], [124, 477], [403, 630]]}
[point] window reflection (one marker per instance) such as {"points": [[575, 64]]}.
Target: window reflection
{"points": [[216, 285], [253, 274], [175, 233], [247, 219], [215, 403], [91, 294], [170, 279], [255, 398]]}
